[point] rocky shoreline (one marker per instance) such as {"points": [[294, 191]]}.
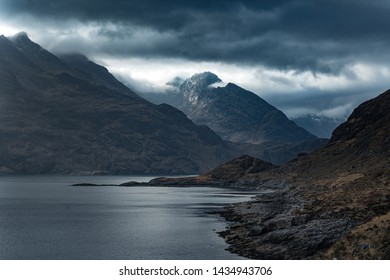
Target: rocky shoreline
{"points": [[331, 203], [280, 222], [276, 225], [321, 214]]}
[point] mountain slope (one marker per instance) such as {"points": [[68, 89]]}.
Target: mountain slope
{"points": [[94, 72], [57, 118]]}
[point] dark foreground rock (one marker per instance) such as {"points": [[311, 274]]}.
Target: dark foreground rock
{"points": [[295, 223], [273, 226]]}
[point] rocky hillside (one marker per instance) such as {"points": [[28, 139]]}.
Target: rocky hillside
{"points": [[333, 203], [71, 115]]}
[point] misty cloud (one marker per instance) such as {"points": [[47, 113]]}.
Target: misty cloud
{"points": [[318, 36], [324, 56]]}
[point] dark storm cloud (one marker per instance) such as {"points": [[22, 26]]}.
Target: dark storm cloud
{"points": [[317, 36], [160, 14]]}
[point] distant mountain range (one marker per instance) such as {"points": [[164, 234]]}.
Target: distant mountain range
{"points": [[320, 126]]}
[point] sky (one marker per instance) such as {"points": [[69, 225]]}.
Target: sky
{"points": [[320, 57]]}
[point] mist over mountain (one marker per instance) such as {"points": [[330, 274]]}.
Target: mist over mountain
{"points": [[71, 115], [319, 126]]}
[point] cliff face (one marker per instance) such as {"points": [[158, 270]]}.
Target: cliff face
{"points": [[71, 115]]}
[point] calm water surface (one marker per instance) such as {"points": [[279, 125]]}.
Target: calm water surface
{"points": [[43, 217]]}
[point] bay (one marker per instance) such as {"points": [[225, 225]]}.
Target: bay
{"points": [[44, 217]]}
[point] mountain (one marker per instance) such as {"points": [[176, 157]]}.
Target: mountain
{"points": [[239, 116], [331, 203], [319, 126], [70, 115], [234, 113]]}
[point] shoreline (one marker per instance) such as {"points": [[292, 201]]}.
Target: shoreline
{"points": [[286, 218]]}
